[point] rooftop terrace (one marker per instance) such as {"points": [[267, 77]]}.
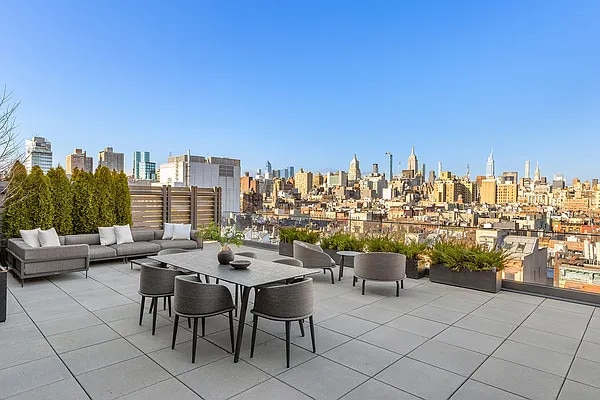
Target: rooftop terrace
{"points": [[68, 337]]}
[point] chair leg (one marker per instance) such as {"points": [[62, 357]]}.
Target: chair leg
{"points": [[151, 306], [312, 333], [194, 340], [189, 323], [363, 287], [165, 303], [203, 326], [254, 326], [397, 289], [142, 309], [231, 331], [301, 323], [331, 271], [402, 283], [354, 281], [175, 324], [154, 311], [169, 298], [287, 342]]}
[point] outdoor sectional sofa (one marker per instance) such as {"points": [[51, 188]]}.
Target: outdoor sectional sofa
{"points": [[77, 251]]}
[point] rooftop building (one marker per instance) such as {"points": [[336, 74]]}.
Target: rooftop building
{"points": [[79, 160], [38, 151], [113, 161]]}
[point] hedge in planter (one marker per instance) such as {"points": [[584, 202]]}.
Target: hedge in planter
{"points": [[342, 242], [288, 235], [472, 267], [412, 251]]}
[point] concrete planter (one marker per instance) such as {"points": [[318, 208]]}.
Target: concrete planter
{"points": [[487, 281], [3, 277], [413, 270], [286, 249]]}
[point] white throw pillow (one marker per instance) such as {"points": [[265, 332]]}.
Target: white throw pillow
{"points": [[107, 235], [182, 232], [48, 238], [168, 230], [123, 234], [31, 237]]}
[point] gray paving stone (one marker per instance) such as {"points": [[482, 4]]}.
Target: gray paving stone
{"points": [[437, 314], [131, 326], [70, 323], [448, 357], [418, 326], [375, 390], [223, 379], [18, 334], [487, 326], [473, 390], [509, 304], [420, 379], [162, 338], [589, 351], [100, 355], [362, 357], [375, 313], [514, 378], [270, 356], [14, 321], [506, 315], [101, 298], [271, 389], [322, 378], [592, 335], [586, 372], [56, 311], [66, 389], [568, 306], [578, 391], [453, 303], [534, 357], [470, 340], [348, 325], [222, 338], [520, 297], [118, 312], [179, 360], [24, 377], [325, 340], [24, 352], [123, 378], [169, 389], [342, 305], [545, 340], [393, 339], [77, 339]]}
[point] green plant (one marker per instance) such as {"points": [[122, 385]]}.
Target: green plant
{"points": [[122, 199], [475, 258], [104, 195], [38, 201], [288, 235], [84, 207], [62, 199], [14, 216], [342, 242], [227, 235], [412, 250], [382, 244]]}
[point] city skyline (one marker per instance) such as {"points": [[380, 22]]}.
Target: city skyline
{"points": [[311, 84]]}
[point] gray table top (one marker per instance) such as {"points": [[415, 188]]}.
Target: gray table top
{"points": [[260, 272]]}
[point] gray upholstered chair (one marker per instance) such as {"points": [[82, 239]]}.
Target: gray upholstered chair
{"points": [[194, 299], [312, 256], [288, 303], [289, 261], [386, 267], [156, 282]]}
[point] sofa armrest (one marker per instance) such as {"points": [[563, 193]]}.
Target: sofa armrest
{"points": [[25, 252], [197, 239]]}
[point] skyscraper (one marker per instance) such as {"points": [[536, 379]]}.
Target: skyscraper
{"points": [[537, 176], [527, 169], [303, 181], [413, 164], [79, 160], [354, 170], [439, 169], [38, 151], [143, 168], [268, 168], [108, 158], [489, 167]]}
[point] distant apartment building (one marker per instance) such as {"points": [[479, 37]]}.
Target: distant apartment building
{"points": [[339, 178], [113, 161], [205, 172], [79, 160], [450, 189], [143, 168], [506, 193], [354, 171], [248, 184], [487, 192], [303, 181], [38, 151]]}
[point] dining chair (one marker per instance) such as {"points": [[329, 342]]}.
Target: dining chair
{"points": [[156, 282]]}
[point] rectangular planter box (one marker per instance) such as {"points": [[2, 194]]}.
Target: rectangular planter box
{"points": [[286, 249], [413, 270], [487, 281], [3, 277]]}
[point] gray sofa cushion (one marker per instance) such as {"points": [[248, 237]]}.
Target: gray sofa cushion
{"points": [[98, 252], [85, 238], [142, 236], [176, 244], [136, 248], [158, 234]]}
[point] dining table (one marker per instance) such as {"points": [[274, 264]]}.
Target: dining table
{"points": [[258, 273]]}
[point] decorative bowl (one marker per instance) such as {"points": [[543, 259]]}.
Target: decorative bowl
{"points": [[240, 264]]}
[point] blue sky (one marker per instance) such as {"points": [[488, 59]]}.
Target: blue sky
{"points": [[310, 83]]}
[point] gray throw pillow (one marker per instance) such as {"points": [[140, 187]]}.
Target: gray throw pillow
{"points": [[107, 235], [48, 238], [181, 232], [31, 237], [123, 234], [168, 230]]}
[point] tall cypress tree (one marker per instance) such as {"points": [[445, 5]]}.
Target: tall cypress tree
{"points": [[14, 215], [105, 196], [38, 199], [85, 210], [62, 199], [122, 199]]}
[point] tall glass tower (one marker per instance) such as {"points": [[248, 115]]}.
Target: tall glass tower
{"points": [[489, 167]]}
